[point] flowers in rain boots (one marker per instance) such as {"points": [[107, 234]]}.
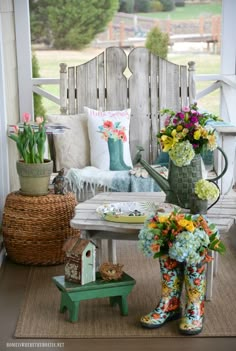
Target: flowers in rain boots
{"points": [[183, 240], [184, 237], [171, 287], [195, 285]]}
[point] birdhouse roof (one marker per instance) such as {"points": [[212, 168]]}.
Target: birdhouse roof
{"points": [[75, 245]]}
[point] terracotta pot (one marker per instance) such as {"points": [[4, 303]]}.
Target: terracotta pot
{"points": [[34, 177]]}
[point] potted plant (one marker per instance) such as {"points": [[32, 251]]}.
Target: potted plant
{"points": [[33, 169]]}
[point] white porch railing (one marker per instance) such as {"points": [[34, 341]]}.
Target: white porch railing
{"points": [[227, 86], [226, 83]]}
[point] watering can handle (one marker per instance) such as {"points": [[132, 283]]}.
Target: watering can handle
{"points": [[217, 197], [225, 166]]}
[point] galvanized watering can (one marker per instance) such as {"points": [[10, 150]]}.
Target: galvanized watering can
{"points": [[179, 187]]}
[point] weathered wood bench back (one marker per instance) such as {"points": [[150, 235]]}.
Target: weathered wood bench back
{"points": [[139, 80]]}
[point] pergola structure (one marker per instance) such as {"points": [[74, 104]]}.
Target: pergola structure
{"points": [[17, 84]]}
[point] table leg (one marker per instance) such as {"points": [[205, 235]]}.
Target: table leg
{"points": [[112, 251], [209, 277]]}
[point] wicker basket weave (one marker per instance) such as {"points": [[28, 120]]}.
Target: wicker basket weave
{"points": [[36, 227]]}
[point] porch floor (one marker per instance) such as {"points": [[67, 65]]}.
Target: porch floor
{"points": [[12, 287]]}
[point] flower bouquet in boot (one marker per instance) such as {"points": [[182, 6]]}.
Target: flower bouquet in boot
{"points": [[181, 242]]}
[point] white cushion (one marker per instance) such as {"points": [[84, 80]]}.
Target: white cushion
{"points": [[72, 147], [109, 139]]}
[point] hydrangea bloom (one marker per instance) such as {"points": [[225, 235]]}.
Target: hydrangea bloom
{"points": [[184, 237], [206, 190], [182, 153]]}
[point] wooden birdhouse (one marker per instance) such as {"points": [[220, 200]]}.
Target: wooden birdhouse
{"points": [[80, 261]]}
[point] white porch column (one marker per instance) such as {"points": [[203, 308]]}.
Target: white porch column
{"points": [[228, 92], [4, 169], [228, 60], [24, 63]]}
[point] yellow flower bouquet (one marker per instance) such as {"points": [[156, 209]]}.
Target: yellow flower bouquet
{"points": [[186, 133]]}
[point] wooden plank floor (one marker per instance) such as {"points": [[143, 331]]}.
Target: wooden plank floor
{"points": [[12, 287]]}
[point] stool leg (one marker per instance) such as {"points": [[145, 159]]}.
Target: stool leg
{"points": [[122, 302], [74, 312], [63, 305], [124, 305]]}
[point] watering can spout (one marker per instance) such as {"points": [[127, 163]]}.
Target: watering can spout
{"points": [[161, 181]]}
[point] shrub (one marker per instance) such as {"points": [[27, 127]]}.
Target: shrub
{"points": [[141, 5], [39, 109], [156, 6], [157, 42], [168, 5], [179, 3]]}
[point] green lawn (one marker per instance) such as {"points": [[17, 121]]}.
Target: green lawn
{"points": [[49, 68], [187, 12]]}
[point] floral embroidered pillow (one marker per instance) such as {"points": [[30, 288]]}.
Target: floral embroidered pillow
{"points": [[109, 139]]}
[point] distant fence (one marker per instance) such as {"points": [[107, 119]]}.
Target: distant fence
{"points": [[128, 27]]}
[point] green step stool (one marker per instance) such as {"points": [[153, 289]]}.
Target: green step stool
{"points": [[72, 294]]}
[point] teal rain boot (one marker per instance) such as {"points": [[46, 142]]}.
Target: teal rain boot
{"points": [[169, 306], [195, 284], [115, 148]]}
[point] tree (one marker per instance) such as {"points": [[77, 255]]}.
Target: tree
{"points": [[168, 5], [40, 30], [157, 42], [126, 6], [73, 23]]}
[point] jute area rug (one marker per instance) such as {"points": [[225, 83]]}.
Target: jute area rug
{"points": [[40, 317]]}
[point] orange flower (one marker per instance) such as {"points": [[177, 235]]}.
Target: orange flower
{"points": [[197, 281], [173, 304], [166, 277], [122, 135], [155, 247], [108, 124]]}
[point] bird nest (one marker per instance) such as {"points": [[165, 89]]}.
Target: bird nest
{"points": [[110, 271]]}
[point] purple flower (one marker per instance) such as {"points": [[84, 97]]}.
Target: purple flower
{"points": [[180, 115], [194, 119], [185, 109]]}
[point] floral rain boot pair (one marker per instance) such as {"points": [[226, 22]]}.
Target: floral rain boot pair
{"points": [[195, 285], [169, 306], [173, 274]]}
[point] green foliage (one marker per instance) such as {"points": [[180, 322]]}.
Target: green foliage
{"points": [[157, 42], [126, 6], [40, 29], [74, 23], [168, 5], [156, 6], [39, 109], [179, 3], [142, 6]]}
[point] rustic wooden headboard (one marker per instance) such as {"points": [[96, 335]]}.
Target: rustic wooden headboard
{"points": [[139, 80]]}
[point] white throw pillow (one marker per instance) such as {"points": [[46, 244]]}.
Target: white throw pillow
{"points": [[72, 147], [109, 139]]}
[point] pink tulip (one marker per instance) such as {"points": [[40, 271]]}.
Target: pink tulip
{"points": [[16, 129], [26, 117]]}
